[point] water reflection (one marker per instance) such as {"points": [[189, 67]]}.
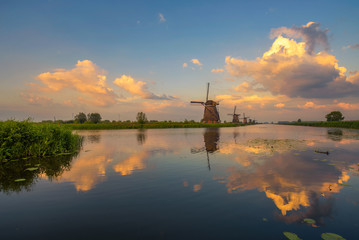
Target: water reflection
{"points": [[30, 170], [335, 134], [141, 136]]}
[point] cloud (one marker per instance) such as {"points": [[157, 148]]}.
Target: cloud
{"points": [[355, 46], [185, 65], [218, 70], [287, 68], [86, 78], [310, 33], [138, 88], [249, 102], [311, 105], [348, 106], [279, 105], [196, 62], [162, 18], [36, 100]]}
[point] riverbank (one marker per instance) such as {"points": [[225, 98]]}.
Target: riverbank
{"points": [[25, 139], [134, 125], [337, 124]]}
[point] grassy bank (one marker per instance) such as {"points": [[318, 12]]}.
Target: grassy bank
{"points": [[26, 139], [338, 124], [133, 125]]}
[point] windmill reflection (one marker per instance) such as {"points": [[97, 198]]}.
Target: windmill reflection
{"points": [[211, 139]]}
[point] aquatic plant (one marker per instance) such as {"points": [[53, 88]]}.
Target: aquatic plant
{"points": [[23, 139]]}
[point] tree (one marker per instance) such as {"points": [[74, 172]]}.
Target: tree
{"points": [[94, 117], [81, 117], [334, 116], [299, 120], [141, 117]]}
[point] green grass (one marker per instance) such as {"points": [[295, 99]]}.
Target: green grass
{"points": [[133, 125], [338, 124], [25, 139]]}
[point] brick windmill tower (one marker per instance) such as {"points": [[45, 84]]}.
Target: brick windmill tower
{"points": [[235, 115], [210, 114], [245, 119]]}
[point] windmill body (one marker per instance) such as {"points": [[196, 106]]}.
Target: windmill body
{"points": [[245, 119], [235, 116], [210, 114]]}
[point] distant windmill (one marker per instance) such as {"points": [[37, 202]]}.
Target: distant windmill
{"points": [[235, 115], [244, 118], [210, 114]]}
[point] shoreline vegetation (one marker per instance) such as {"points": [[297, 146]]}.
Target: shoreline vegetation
{"points": [[20, 140], [330, 124], [148, 125]]}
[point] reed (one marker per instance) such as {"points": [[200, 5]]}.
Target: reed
{"points": [[23, 139]]}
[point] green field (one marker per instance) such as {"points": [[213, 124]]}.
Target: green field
{"points": [[20, 140], [135, 125], [338, 124]]}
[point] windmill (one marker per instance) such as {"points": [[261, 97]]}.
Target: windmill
{"points": [[210, 114], [235, 115], [244, 118]]}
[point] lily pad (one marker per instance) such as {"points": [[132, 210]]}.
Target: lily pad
{"points": [[37, 164], [265, 219], [309, 220], [332, 236], [31, 169], [291, 236], [20, 180]]}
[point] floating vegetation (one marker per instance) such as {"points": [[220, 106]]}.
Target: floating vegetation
{"points": [[332, 236], [309, 220], [269, 146], [291, 236], [20, 180], [264, 219], [31, 169]]}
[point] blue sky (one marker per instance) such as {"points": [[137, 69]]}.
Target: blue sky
{"points": [[129, 38]]}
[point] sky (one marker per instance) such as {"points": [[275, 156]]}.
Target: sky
{"points": [[274, 60]]}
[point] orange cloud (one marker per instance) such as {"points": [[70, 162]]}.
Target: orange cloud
{"points": [[218, 70], [138, 88], [36, 100], [291, 68], [311, 105], [280, 105], [185, 65], [249, 101], [86, 78], [348, 106], [196, 61]]}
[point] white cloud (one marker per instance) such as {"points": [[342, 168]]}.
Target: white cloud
{"points": [[162, 18]]}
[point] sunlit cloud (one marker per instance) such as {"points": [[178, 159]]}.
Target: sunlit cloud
{"points": [[218, 70], [36, 100], [354, 46], [185, 65], [279, 105], [87, 79], [162, 18], [196, 62], [310, 33], [292, 68], [311, 105], [348, 106], [250, 101], [138, 88]]}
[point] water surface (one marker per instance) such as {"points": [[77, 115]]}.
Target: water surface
{"points": [[253, 182]]}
